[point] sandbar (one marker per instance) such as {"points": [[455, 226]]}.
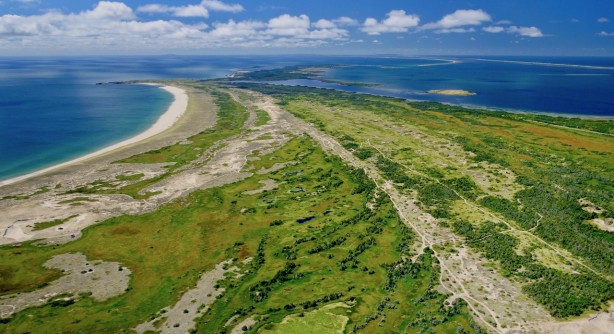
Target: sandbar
{"points": [[164, 122], [452, 92]]}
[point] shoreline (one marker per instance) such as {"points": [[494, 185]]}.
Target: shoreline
{"points": [[590, 67], [174, 112], [463, 105]]}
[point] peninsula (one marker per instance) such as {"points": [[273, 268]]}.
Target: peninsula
{"points": [[275, 208]]}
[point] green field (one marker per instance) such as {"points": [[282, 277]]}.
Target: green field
{"points": [[442, 152]]}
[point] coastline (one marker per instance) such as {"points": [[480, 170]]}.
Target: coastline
{"points": [[164, 122], [386, 93]]}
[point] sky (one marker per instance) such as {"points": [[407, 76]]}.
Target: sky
{"points": [[343, 27]]}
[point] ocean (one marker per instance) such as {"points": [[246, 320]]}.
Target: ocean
{"points": [[586, 88], [51, 111]]}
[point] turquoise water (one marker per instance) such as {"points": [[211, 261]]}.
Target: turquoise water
{"points": [[45, 124], [51, 111], [47, 118]]}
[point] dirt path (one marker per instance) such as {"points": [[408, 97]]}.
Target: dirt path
{"points": [[497, 218], [496, 302]]}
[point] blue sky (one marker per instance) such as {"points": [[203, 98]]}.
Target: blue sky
{"points": [[409, 27]]}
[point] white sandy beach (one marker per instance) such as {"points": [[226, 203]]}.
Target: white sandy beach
{"points": [[166, 120]]}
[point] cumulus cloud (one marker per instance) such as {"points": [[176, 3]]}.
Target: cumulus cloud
{"points": [[288, 25], [493, 29], [114, 26], [219, 6], [522, 31], [345, 21], [299, 27], [234, 29], [199, 10], [606, 34], [460, 18], [603, 20], [180, 11], [526, 31], [397, 21], [454, 30], [324, 24]]}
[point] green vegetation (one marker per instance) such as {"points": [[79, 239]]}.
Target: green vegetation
{"points": [[602, 126], [51, 223], [324, 320], [22, 197], [224, 223], [555, 170], [286, 73], [262, 117], [351, 83], [130, 177]]}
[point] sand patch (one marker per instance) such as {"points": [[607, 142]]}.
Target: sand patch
{"points": [[101, 280], [606, 224], [180, 318], [247, 323], [267, 185]]}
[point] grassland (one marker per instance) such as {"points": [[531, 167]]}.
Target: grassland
{"points": [[516, 190], [325, 235]]}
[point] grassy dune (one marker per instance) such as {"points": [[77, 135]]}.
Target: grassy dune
{"points": [[519, 192]]}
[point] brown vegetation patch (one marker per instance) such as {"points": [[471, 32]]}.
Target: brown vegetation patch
{"points": [[124, 230], [243, 252]]}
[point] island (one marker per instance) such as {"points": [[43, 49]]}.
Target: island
{"points": [[451, 92]]}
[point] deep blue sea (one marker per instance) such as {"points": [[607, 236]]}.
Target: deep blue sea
{"points": [[587, 89], [51, 110]]}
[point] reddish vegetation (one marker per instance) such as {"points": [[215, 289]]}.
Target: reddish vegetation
{"points": [[243, 252]]}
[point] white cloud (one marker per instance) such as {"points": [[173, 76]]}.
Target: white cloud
{"points": [[603, 20], [288, 25], [110, 10], [522, 31], [454, 30], [526, 31], [324, 24], [233, 29], [179, 11], [299, 27], [503, 22], [460, 18], [606, 34], [345, 21], [199, 10], [493, 29], [219, 6], [574, 20], [397, 21], [114, 26]]}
